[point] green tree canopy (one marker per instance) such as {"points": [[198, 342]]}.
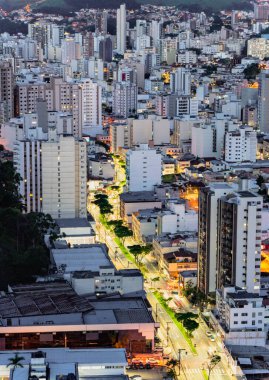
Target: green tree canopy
{"points": [[190, 325], [251, 71], [23, 253]]}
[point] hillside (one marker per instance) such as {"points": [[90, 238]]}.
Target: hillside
{"points": [[69, 5]]}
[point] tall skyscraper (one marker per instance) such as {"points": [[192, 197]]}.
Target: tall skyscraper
{"points": [[263, 102], [239, 241], [207, 235], [121, 29], [7, 87]]}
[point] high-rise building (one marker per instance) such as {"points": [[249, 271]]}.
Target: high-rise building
{"points": [[7, 87], [105, 49], [28, 163], [261, 10], [241, 145], [64, 177], [91, 103], [120, 135], [263, 102], [121, 29], [207, 234], [180, 81], [101, 22], [143, 168], [239, 241], [88, 45], [124, 99]]}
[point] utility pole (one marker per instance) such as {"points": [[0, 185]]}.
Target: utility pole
{"points": [[179, 359]]}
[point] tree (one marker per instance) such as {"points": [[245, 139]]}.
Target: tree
{"points": [[122, 232], [251, 71], [139, 251], [15, 362], [172, 364], [101, 200], [9, 186], [260, 180], [184, 316], [190, 325], [214, 360], [23, 252], [115, 223]]}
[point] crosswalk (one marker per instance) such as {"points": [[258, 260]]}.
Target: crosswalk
{"points": [[216, 371]]}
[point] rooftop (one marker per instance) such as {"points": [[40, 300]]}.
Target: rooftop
{"points": [[72, 223], [139, 196], [90, 258], [42, 303]]}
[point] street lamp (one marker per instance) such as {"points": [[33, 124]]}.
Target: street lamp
{"points": [[167, 331]]}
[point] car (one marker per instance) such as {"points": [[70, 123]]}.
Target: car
{"points": [[212, 338], [152, 361], [136, 377], [208, 333]]}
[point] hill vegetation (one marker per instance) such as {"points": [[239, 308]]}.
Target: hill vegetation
{"points": [[23, 253], [69, 5]]}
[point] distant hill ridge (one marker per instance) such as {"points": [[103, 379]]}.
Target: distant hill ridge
{"points": [[71, 5]]}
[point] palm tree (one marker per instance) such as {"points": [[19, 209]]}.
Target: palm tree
{"points": [[15, 362]]}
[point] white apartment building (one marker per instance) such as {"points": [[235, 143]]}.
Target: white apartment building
{"points": [[120, 135], [239, 240], [64, 177], [107, 280], [121, 29], [207, 140], [91, 103], [143, 168], [187, 220], [180, 81], [60, 96], [185, 105], [241, 145], [124, 99], [28, 163], [258, 47], [241, 317]]}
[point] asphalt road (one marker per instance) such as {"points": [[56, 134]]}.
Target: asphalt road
{"points": [[173, 341]]}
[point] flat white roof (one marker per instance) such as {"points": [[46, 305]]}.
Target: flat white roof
{"points": [[68, 356], [79, 259]]}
